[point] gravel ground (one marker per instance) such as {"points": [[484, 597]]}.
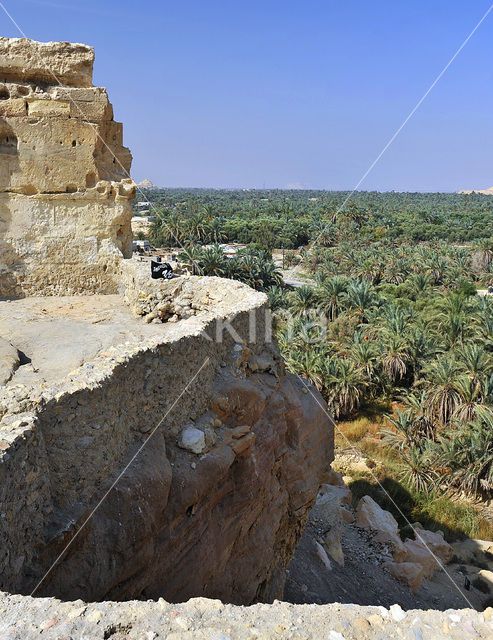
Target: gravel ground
{"points": [[364, 581]]}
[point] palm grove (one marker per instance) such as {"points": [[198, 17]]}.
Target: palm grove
{"points": [[393, 278]]}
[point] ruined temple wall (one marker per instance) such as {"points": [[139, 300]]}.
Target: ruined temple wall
{"points": [[65, 191]]}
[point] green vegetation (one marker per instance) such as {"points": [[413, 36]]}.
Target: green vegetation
{"points": [[389, 321], [435, 510], [251, 265], [275, 218]]}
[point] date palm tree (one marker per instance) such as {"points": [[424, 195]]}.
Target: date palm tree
{"points": [[470, 392], [439, 379], [213, 261], [360, 297], [192, 256], [344, 384], [329, 295], [394, 350], [303, 299]]}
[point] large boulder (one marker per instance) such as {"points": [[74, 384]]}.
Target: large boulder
{"points": [[435, 541], [415, 551], [327, 514], [370, 516], [411, 573], [474, 552]]}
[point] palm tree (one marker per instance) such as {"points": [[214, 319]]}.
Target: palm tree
{"points": [[307, 364], [465, 453], [344, 383], [395, 319], [197, 227], [420, 282], [483, 256], [277, 297], [437, 267], [442, 398], [192, 257], [475, 361], [420, 346], [303, 299], [167, 231], [470, 398], [395, 356], [453, 319], [419, 472], [213, 261], [215, 229], [360, 297], [364, 354], [329, 295]]}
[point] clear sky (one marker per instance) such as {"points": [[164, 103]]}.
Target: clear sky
{"points": [[288, 93]]}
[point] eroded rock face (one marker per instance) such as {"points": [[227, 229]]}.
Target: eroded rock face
{"points": [[221, 519], [215, 502], [65, 191]]}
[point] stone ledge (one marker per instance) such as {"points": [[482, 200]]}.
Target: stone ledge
{"points": [[203, 619], [49, 62]]}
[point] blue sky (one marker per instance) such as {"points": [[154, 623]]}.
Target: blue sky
{"points": [[305, 93]]}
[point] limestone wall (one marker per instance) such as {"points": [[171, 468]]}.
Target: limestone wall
{"points": [[65, 192]]}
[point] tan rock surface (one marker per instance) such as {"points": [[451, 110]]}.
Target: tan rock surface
{"points": [[9, 361], [202, 619], [415, 551], [372, 517], [220, 517], [435, 541], [24, 59], [65, 191], [411, 573]]}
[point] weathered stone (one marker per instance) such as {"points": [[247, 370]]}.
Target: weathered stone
{"points": [[9, 360], [411, 573], [372, 517], [435, 541], [347, 516], [487, 576], [224, 522], [65, 189], [327, 514], [46, 62], [334, 479], [474, 552], [193, 440], [415, 551]]}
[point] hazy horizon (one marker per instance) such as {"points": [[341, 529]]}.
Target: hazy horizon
{"points": [[288, 94]]}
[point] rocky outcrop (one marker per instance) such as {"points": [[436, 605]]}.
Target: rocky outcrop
{"points": [[214, 503], [65, 191], [9, 361]]}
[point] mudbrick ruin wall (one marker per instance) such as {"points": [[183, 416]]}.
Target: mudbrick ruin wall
{"points": [[65, 192]]}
